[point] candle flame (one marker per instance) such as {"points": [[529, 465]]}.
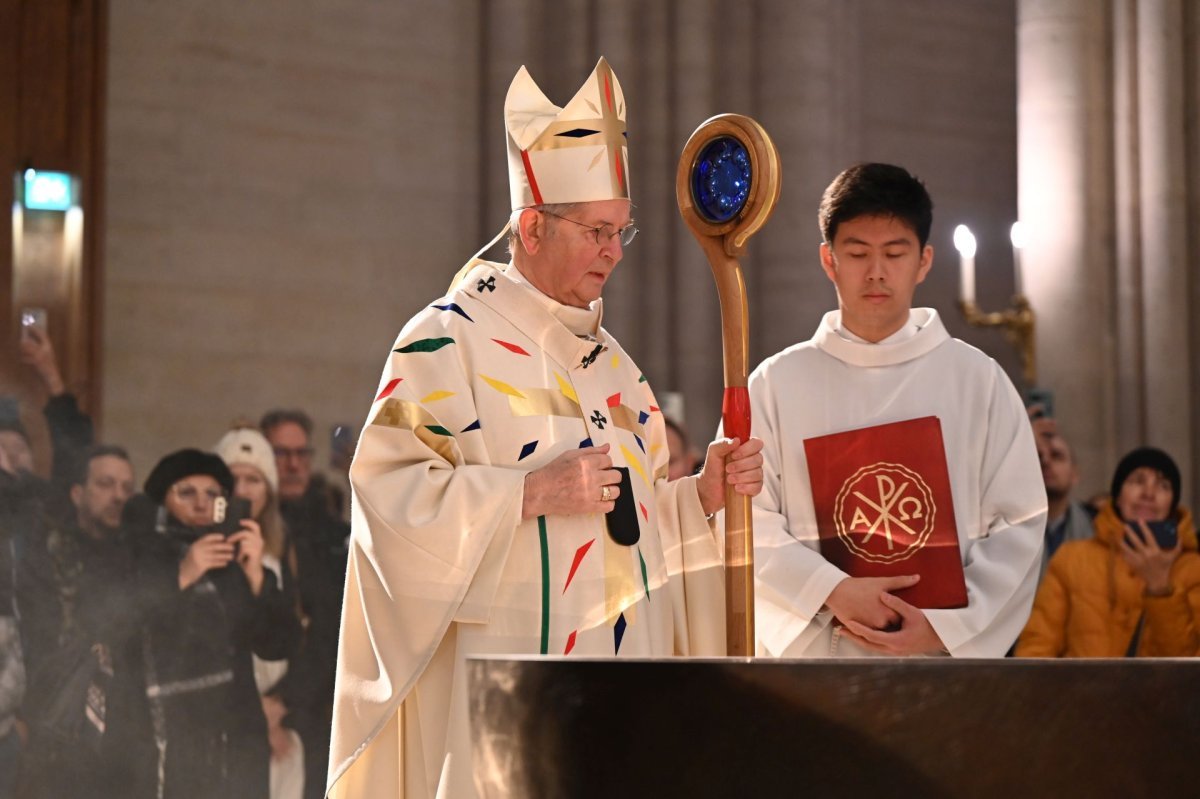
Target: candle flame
{"points": [[1019, 235], [964, 241]]}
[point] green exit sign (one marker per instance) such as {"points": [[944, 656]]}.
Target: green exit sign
{"points": [[48, 191]]}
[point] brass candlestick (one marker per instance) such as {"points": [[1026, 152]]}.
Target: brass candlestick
{"points": [[1018, 323]]}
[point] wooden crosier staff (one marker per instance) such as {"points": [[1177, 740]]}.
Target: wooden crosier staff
{"points": [[727, 185]]}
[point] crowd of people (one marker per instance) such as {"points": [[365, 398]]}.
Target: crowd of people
{"points": [[194, 638], [174, 641], [147, 649], [1120, 572], [142, 649]]}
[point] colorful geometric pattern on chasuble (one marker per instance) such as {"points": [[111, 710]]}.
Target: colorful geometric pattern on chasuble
{"points": [[425, 345], [512, 347], [621, 592], [389, 388], [632, 461], [625, 418], [566, 388], [544, 402], [579, 554], [545, 547], [621, 589], [621, 622], [539, 401], [410, 416], [501, 386], [453, 308]]}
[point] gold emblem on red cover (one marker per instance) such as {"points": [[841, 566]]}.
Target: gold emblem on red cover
{"points": [[884, 513]]}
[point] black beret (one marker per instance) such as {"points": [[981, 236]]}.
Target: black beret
{"points": [[185, 463]]}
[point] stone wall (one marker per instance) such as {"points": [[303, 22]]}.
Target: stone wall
{"points": [[288, 182]]}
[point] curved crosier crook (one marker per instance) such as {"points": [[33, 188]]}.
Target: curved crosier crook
{"points": [[726, 186]]}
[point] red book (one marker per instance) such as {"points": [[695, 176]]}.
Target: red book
{"points": [[884, 507]]}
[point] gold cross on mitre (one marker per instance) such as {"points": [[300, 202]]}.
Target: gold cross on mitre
{"points": [[574, 154]]}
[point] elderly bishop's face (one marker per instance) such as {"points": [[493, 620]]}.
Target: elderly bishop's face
{"points": [[569, 262]]}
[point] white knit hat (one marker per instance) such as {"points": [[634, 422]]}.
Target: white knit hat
{"points": [[573, 154], [247, 445]]}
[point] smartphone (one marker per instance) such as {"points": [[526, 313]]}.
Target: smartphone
{"points": [[228, 515], [341, 436], [1166, 533], [33, 317], [1043, 399]]}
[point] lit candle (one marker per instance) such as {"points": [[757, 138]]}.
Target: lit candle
{"points": [[964, 242], [1018, 241]]}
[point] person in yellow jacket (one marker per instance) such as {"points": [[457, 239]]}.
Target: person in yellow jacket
{"points": [[1120, 593]]}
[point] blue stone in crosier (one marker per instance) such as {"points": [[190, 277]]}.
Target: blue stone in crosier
{"points": [[721, 179]]}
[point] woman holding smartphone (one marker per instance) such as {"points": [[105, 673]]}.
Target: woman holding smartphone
{"points": [[256, 480], [209, 604], [1134, 588]]}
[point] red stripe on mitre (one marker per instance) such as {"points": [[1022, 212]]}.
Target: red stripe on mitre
{"points": [[645, 512], [614, 400], [389, 388], [620, 172], [608, 91], [537, 195], [570, 642], [510, 347]]}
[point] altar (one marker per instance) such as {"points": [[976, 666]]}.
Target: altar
{"points": [[569, 727]]}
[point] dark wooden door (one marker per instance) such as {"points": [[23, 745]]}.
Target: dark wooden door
{"points": [[52, 93]]}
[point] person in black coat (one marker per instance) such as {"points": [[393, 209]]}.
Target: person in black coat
{"points": [[85, 705], [209, 605]]}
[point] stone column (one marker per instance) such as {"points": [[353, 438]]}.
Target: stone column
{"points": [[1160, 96], [1065, 197]]}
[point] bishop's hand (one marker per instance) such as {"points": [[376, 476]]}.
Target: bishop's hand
{"points": [[577, 482], [730, 462]]}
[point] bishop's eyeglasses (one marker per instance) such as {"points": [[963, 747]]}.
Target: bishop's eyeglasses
{"points": [[602, 234]]}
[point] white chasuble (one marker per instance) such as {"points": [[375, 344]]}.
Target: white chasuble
{"points": [[482, 387], [832, 384]]}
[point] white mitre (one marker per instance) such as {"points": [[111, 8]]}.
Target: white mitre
{"points": [[573, 154], [563, 155]]}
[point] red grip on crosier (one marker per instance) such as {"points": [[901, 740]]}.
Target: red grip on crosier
{"points": [[735, 413]]}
